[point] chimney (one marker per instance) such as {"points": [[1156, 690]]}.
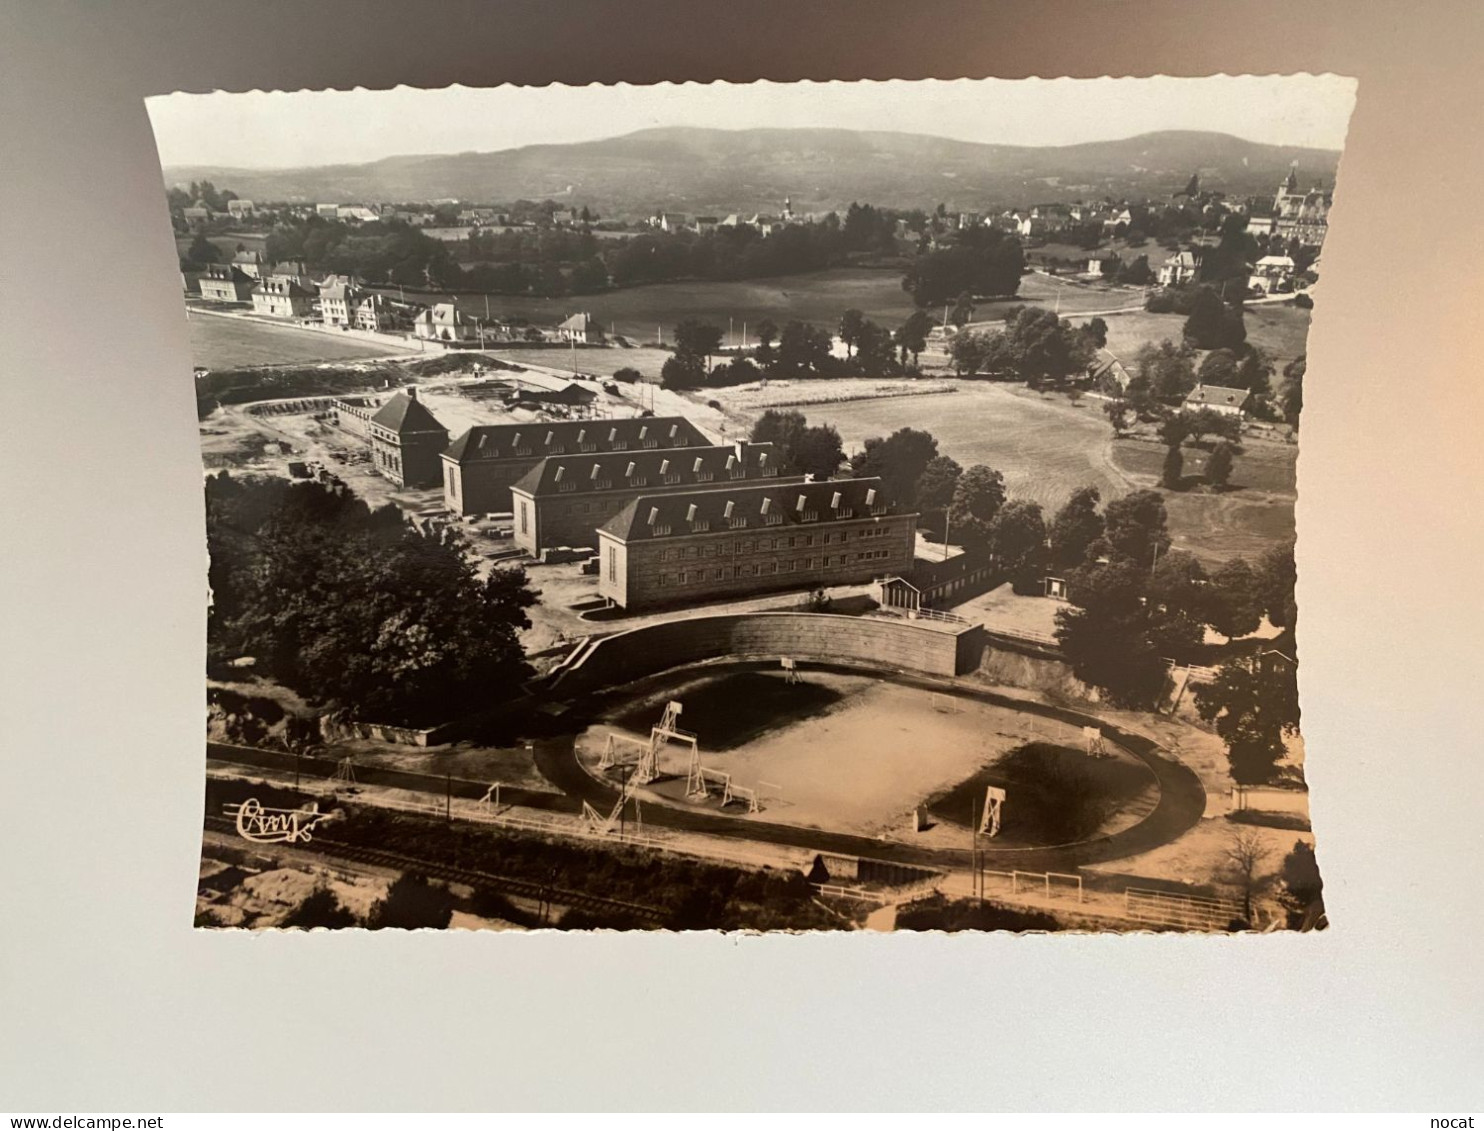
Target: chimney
{"points": [[411, 391]]}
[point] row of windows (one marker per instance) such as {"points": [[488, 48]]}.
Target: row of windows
{"points": [[764, 545], [567, 486], [765, 569]]}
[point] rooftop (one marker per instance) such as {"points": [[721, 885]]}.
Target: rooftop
{"points": [[791, 505], [405, 414], [542, 439], [1217, 395], [698, 467]]}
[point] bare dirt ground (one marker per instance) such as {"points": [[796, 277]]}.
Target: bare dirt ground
{"points": [[859, 764]]}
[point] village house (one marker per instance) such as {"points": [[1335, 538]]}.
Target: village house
{"points": [[338, 297], [580, 328], [1271, 273], [197, 214], [240, 209], [376, 312], [669, 221], [279, 296], [1121, 218], [1179, 269], [357, 214], [250, 263], [407, 441], [704, 224], [534, 390], [733, 542], [481, 465], [444, 323], [1232, 402], [225, 282], [448, 235], [565, 217], [1106, 373], [327, 211], [564, 499]]}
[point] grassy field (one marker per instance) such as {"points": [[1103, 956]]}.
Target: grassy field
{"points": [[1045, 448], [640, 313], [224, 343]]}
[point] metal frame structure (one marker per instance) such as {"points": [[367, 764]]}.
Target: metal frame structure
{"points": [[989, 823], [1092, 738]]}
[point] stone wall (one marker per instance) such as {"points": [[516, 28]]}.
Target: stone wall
{"points": [[869, 641]]}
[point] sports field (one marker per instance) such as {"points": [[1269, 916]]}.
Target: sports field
{"points": [[1044, 447], [856, 753], [226, 343]]}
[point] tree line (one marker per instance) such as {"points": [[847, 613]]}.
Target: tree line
{"points": [[354, 609]]}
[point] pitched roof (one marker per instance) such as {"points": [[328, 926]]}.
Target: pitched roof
{"points": [[405, 414], [1181, 259], [1105, 362], [558, 437], [1275, 261], [337, 287], [1217, 395], [283, 286], [698, 467], [793, 505], [577, 322], [443, 314]]}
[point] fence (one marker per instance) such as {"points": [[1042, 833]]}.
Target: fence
{"points": [[1172, 909]]}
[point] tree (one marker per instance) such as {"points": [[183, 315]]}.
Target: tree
{"points": [[1245, 855], [1120, 414], [874, 353], [1219, 466], [936, 486], [1075, 528], [815, 450], [912, 335], [1235, 607], [1254, 704], [697, 339], [628, 374], [963, 310], [1291, 392], [1105, 635], [203, 251], [851, 323], [1172, 474], [1097, 332], [1274, 578], [1174, 429], [683, 371], [899, 460], [1017, 537], [1134, 528], [410, 904], [1211, 323], [1167, 369], [767, 334], [321, 908], [424, 638], [1301, 883], [1206, 420], [1178, 584], [803, 351]]}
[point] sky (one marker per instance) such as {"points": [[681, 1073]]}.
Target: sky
{"points": [[278, 129]]}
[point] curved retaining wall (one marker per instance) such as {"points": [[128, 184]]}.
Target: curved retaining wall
{"points": [[875, 642]]}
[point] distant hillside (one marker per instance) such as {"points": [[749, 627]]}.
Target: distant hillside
{"points": [[722, 171]]}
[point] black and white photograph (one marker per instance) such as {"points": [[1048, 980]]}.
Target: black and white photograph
{"points": [[755, 507]]}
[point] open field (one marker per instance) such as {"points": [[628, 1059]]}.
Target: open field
{"points": [[639, 313], [598, 362], [225, 343], [857, 753], [1045, 448]]}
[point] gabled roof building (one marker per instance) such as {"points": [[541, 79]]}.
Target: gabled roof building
{"points": [[480, 466], [407, 440], [564, 499], [740, 540]]}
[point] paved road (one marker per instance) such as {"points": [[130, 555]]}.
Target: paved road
{"points": [[1182, 799]]}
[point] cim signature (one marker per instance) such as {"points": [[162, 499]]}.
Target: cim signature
{"points": [[275, 826]]}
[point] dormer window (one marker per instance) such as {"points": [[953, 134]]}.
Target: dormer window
{"points": [[654, 515]]}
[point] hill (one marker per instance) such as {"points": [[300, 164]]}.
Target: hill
{"points": [[722, 171]]}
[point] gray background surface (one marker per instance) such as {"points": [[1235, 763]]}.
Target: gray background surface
{"points": [[109, 1000]]}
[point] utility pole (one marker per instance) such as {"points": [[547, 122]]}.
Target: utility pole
{"points": [[448, 796]]}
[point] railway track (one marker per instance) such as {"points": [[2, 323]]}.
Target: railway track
{"points": [[507, 885]]}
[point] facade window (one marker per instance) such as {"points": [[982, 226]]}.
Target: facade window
{"points": [[612, 563], [525, 525], [718, 574]]}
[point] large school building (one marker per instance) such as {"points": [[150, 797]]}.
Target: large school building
{"points": [[480, 467], [564, 499], [701, 545]]}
